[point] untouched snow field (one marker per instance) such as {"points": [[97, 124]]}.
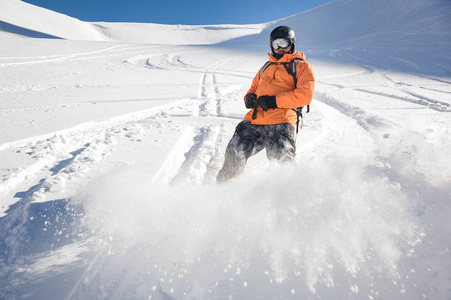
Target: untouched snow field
{"points": [[112, 135]]}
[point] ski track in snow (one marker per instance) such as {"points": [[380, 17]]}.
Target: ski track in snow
{"points": [[38, 196], [58, 58], [62, 157], [49, 148]]}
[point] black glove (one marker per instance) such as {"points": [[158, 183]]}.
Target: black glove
{"points": [[250, 100], [267, 102]]}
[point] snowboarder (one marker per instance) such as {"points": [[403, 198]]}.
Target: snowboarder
{"points": [[272, 98]]}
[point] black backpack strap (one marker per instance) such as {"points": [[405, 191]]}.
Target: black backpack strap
{"points": [[300, 118], [265, 66], [291, 68]]}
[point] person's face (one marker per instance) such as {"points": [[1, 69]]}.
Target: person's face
{"points": [[281, 46], [282, 51]]}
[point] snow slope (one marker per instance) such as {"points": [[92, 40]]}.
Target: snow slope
{"points": [[407, 36], [109, 148]]}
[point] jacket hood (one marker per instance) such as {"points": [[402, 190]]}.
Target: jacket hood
{"points": [[287, 57]]}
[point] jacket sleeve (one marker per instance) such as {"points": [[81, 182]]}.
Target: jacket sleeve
{"points": [[303, 94], [254, 84]]}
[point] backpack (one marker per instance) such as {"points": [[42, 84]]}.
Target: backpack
{"points": [[291, 69]]}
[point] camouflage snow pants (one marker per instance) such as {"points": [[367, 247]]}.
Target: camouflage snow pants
{"points": [[249, 139]]}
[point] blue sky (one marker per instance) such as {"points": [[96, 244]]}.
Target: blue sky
{"points": [[186, 12]]}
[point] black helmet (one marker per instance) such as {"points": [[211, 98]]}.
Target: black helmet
{"points": [[283, 32]]}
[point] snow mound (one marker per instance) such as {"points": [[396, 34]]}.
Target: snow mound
{"points": [[20, 18]]}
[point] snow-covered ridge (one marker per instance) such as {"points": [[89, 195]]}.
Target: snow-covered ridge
{"points": [[175, 34], [24, 19]]}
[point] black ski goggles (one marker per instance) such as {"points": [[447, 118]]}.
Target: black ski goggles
{"points": [[280, 43]]}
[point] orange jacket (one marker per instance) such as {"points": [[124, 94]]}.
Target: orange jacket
{"points": [[276, 81]]}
